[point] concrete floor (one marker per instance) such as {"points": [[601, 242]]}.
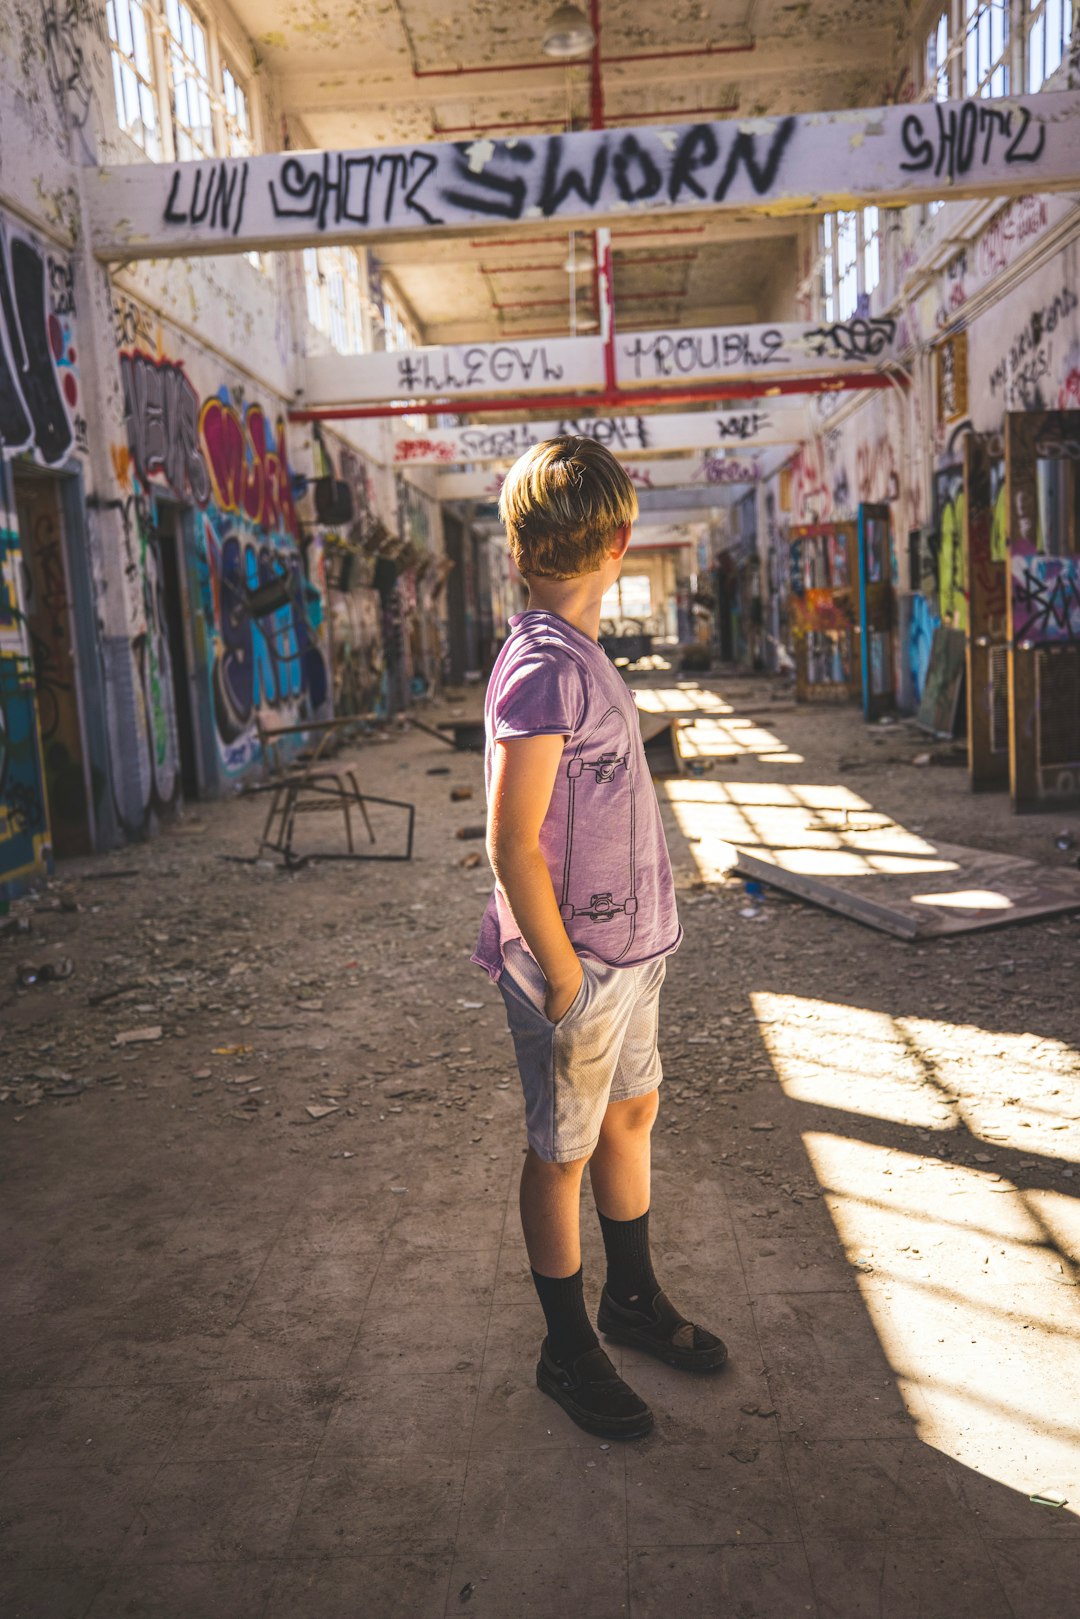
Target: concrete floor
{"points": [[257, 1365]]}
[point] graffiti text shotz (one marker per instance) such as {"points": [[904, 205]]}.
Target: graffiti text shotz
{"points": [[885, 154]]}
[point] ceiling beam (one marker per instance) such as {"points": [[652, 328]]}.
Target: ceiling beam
{"points": [[623, 435], [801, 163]]}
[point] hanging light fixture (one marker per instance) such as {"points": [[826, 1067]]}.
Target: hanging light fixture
{"points": [[568, 34]]}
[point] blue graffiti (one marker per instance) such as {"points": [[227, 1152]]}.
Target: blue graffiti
{"points": [[924, 621]]}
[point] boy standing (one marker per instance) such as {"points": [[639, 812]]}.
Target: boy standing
{"points": [[578, 930]]}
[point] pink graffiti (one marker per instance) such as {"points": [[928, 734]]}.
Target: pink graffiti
{"points": [[424, 449], [249, 470]]}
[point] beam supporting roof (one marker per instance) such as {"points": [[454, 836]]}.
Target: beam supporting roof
{"points": [[704, 354], [777, 165], [692, 472], [623, 435]]}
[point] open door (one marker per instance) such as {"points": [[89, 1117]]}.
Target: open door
{"points": [[823, 570], [877, 617], [1042, 491], [987, 629]]}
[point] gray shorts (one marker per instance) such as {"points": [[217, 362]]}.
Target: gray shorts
{"points": [[603, 1048]]}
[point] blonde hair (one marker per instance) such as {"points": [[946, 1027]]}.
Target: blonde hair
{"points": [[561, 502]]}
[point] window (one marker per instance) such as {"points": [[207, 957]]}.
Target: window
{"points": [[176, 93], [1049, 28], [133, 73], [235, 116], [850, 261], [628, 597], [985, 35], [189, 74], [334, 285], [936, 60]]}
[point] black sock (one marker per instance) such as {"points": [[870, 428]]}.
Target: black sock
{"points": [[631, 1281], [570, 1332]]}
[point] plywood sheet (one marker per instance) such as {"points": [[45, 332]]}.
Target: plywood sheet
{"points": [[961, 890]]}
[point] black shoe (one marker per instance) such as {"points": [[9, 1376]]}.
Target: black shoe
{"points": [[591, 1391], [663, 1332]]}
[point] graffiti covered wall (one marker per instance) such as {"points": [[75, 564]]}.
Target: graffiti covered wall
{"points": [[41, 424], [218, 459]]}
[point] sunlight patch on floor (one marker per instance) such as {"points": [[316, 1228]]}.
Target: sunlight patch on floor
{"points": [[969, 1279], [821, 831]]}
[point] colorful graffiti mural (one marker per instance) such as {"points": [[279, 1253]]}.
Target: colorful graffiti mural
{"points": [[39, 422]]}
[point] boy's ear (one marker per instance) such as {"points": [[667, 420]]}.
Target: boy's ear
{"points": [[620, 541]]}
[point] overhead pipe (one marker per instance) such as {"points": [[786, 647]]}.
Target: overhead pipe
{"points": [[681, 113], [646, 258], [606, 398], [624, 235], [552, 66]]}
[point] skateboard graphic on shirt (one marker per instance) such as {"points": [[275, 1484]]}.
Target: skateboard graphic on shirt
{"points": [[601, 787]]}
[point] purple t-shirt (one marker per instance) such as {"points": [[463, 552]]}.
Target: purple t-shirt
{"points": [[602, 837]]}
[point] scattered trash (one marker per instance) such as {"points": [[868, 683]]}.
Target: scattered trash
{"points": [[458, 795], [1065, 841], [139, 1037], [231, 1051], [479, 830], [1049, 1498], [763, 1124], [744, 1453], [50, 972], [752, 913], [399, 1189], [319, 1110], [471, 861], [309, 1006], [439, 770], [13, 927], [466, 1592], [921, 759]]}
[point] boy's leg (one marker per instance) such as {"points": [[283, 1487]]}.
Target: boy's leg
{"points": [[634, 1309], [550, 1219]]}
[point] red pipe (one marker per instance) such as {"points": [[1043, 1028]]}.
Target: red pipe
{"points": [[503, 123], [532, 303], [702, 50], [621, 398], [645, 258], [554, 66], [596, 77], [551, 123], [624, 235]]}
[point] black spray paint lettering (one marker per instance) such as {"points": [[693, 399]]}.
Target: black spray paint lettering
{"points": [[740, 427], [161, 409], [338, 189], [500, 189], [32, 412], [861, 339], [671, 353], [213, 194], [613, 432], [495, 442], [968, 137], [502, 365]]}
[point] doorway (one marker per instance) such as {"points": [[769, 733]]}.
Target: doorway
{"points": [[167, 603], [50, 626]]}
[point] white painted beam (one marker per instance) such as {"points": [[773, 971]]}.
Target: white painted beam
{"points": [[625, 436], [701, 473], [559, 365], [802, 163], [548, 365]]}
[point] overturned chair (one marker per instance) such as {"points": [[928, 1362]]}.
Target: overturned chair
{"points": [[315, 786]]}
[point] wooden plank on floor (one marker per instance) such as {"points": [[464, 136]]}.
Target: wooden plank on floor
{"points": [[981, 891]]}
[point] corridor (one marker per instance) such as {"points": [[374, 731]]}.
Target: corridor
{"points": [[270, 1335]]}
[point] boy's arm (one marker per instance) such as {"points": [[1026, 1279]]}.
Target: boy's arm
{"points": [[523, 776]]}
